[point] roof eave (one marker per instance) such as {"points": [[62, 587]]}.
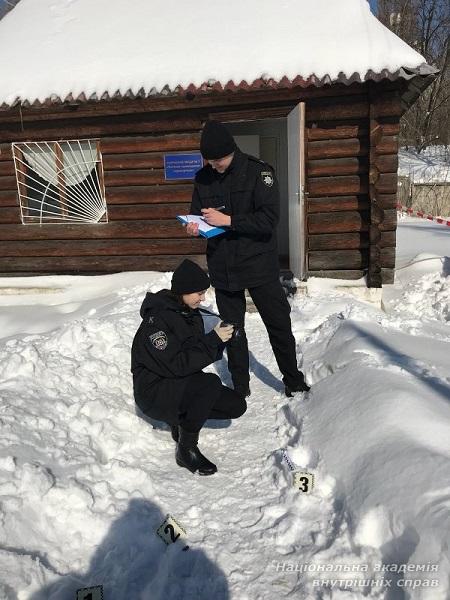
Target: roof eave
{"points": [[418, 79]]}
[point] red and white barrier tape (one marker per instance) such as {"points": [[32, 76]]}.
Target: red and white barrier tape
{"points": [[419, 213]]}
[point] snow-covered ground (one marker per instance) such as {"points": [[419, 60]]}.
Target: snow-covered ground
{"points": [[432, 165], [85, 483]]}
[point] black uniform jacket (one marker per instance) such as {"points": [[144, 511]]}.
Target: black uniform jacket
{"points": [[246, 255], [169, 345]]}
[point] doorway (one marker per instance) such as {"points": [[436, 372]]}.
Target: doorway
{"points": [[280, 143]]}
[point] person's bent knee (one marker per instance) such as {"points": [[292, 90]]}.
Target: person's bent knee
{"points": [[203, 380], [239, 407], [212, 381]]}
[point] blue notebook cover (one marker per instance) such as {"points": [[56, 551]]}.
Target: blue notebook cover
{"points": [[204, 229]]}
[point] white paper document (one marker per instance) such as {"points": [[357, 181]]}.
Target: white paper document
{"points": [[203, 228]]}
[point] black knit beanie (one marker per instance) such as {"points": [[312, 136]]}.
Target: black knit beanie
{"points": [[188, 277], [216, 141]]}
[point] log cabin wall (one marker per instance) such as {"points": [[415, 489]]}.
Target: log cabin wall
{"points": [[351, 220], [141, 233]]}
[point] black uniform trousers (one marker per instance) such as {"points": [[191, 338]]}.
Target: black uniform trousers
{"points": [[272, 304], [206, 398], [202, 396]]}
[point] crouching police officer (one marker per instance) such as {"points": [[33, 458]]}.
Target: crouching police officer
{"points": [[240, 193], [169, 351]]}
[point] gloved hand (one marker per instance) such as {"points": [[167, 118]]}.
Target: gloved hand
{"points": [[224, 331]]}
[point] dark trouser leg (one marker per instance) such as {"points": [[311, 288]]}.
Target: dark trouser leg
{"points": [[231, 307], [272, 304], [206, 398], [229, 405]]}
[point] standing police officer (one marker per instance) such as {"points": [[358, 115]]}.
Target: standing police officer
{"points": [[240, 193]]}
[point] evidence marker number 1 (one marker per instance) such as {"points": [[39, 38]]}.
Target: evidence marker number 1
{"points": [[90, 593], [170, 532]]}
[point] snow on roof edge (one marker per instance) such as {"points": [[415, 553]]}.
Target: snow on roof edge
{"points": [[216, 86]]}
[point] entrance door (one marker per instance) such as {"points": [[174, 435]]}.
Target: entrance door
{"points": [[296, 178]]}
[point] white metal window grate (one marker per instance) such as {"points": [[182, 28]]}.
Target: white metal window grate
{"points": [[60, 182]]}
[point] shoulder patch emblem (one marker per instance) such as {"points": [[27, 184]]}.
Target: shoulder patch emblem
{"points": [[267, 178], [159, 340]]}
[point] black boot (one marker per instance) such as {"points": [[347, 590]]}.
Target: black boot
{"points": [[189, 456], [299, 386], [174, 432], [242, 390]]}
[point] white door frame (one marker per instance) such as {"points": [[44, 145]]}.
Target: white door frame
{"points": [[296, 186]]}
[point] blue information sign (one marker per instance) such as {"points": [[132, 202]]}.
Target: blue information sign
{"points": [[182, 166]]}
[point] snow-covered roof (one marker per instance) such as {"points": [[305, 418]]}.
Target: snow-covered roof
{"points": [[83, 49]]}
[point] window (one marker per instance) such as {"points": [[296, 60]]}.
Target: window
{"points": [[60, 182]]}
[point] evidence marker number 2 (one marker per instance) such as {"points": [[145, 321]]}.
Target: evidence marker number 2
{"points": [[170, 531]]}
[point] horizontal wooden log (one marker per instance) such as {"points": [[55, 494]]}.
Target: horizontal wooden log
{"points": [[137, 144], [347, 274], [389, 221], [338, 130], [388, 144], [388, 258], [337, 166], [148, 194], [88, 264], [341, 241], [337, 186], [347, 241], [388, 239], [63, 130], [347, 222], [114, 230], [337, 203], [337, 259], [337, 148], [335, 222], [386, 104], [101, 248], [387, 201], [386, 183], [387, 276], [119, 212], [9, 198], [143, 160], [251, 114], [5, 151], [138, 177], [8, 183], [7, 168], [10, 214], [386, 163], [332, 109]]}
